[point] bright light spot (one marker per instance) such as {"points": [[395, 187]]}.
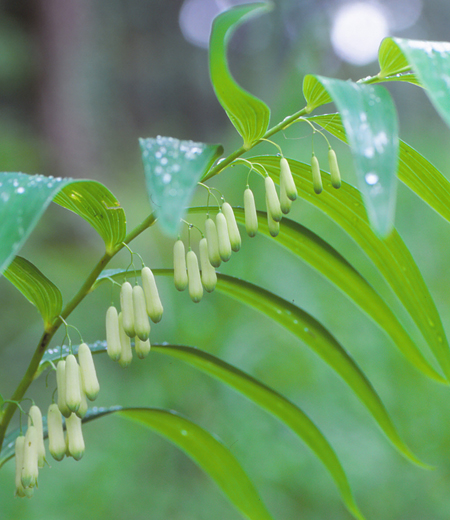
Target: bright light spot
{"points": [[357, 31]]}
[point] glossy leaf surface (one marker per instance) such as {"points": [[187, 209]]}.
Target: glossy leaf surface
{"points": [[36, 287], [23, 200], [370, 121], [308, 330], [332, 265], [172, 170], [390, 256], [430, 61], [249, 115], [98, 206], [258, 393]]}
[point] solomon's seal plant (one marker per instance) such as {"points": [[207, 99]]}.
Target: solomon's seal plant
{"points": [[173, 169]]}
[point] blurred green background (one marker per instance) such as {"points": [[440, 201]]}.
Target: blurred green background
{"points": [[80, 81]]}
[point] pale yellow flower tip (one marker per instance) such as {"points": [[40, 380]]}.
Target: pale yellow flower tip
{"points": [[35, 419], [287, 180], [223, 236], [56, 442], [88, 373], [30, 468], [126, 354], [126, 306], [180, 277], [141, 321], [113, 346], [233, 230], [195, 284], [209, 277], [61, 385], [317, 179], [73, 390], [334, 169], [19, 451], [251, 217], [154, 305], [213, 242], [142, 348], [272, 201], [76, 442]]}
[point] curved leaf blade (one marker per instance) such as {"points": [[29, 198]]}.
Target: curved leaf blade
{"points": [[390, 256], [172, 170], [431, 63], [258, 393], [36, 288], [249, 115], [23, 200], [97, 205], [332, 265], [312, 333], [391, 59], [315, 93], [370, 121]]}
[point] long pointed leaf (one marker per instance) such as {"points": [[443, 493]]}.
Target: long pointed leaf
{"points": [[370, 120], [391, 256], [172, 170], [325, 259], [249, 115], [312, 333], [260, 394], [36, 287]]}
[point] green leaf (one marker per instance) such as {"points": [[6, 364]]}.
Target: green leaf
{"points": [[430, 61], [333, 266], [315, 93], [260, 394], [98, 206], [370, 121], [390, 256], [248, 114], [426, 181], [23, 200], [172, 170], [308, 330], [36, 287]]}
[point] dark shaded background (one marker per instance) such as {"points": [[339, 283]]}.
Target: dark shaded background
{"points": [[79, 83]]}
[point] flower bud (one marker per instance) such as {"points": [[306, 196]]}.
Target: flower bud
{"points": [[233, 230], [90, 385], [195, 284], [30, 469], [126, 354], [73, 391], [75, 435], [19, 449], [141, 322], [272, 202], [317, 179], [223, 236], [209, 277], [61, 385], [285, 201], [274, 227], [287, 180], [154, 305], [251, 217], [213, 243], [142, 348], [35, 419], [82, 410], [113, 346], [334, 169], [126, 306], [179, 266], [56, 442]]}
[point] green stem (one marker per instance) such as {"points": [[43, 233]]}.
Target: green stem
{"points": [[8, 412], [240, 151]]}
